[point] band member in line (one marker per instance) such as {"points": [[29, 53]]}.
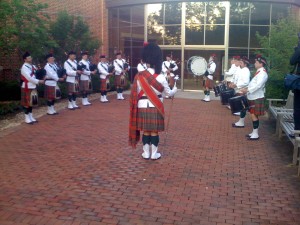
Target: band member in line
{"points": [[51, 83], [255, 95], [29, 83], [146, 103], [241, 78], [141, 66], [105, 73], [168, 67], [85, 77], [72, 79], [121, 69], [233, 69], [211, 68]]}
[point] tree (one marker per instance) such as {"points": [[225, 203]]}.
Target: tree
{"points": [[278, 49], [72, 33], [24, 27]]}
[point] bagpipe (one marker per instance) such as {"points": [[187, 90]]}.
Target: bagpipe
{"points": [[40, 73]]}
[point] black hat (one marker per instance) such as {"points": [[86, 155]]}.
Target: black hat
{"points": [[169, 55], [84, 53], [71, 53], [261, 59], [245, 60], [118, 53], [49, 56], [25, 55], [152, 54], [102, 56]]}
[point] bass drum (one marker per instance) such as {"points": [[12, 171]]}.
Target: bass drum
{"points": [[197, 65]]}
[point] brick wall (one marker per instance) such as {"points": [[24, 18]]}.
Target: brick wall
{"points": [[93, 12]]}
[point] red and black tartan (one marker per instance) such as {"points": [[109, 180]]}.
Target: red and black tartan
{"points": [[25, 97], [103, 85], [171, 81], [71, 87], [84, 85], [209, 83], [257, 106], [49, 92], [149, 119], [118, 81]]}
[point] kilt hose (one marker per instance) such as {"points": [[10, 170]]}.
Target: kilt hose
{"points": [[103, 85], [71, 88], [209, 83], [25, 97], [257, 106], [149, 119], [84, 86], [118, 81], [49, 92]]}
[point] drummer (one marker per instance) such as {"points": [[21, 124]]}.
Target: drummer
{"points": [[208, 84], [241, 78], [235, 66], [255, 95]]}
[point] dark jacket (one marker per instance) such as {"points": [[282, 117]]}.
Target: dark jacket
{"points": [[295, 59]]}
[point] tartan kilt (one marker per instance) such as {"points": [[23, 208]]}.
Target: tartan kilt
{"points": [[49, 92], [103, 86], [149, 119], [71, 88], [118, 81], [25, 97], [209, 83], [84, 85], [258, 106]]}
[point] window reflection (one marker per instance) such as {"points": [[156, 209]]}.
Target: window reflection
{"points": [[238, 36], [260, 14], [239, 12], [279, 11], [262, 30]]}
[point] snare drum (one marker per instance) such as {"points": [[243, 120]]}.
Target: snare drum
{"points": [[238, 103], [226, 95], [219, 89], [197, 65]]}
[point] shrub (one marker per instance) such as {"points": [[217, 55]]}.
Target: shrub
{"points": [[10, 91]]}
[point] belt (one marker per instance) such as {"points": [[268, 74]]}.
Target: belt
{"points": [[145, 97]]}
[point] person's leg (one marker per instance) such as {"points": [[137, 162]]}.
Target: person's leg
{"points": [[241, 122], [146, 139], [255, 121], [154, 145]]}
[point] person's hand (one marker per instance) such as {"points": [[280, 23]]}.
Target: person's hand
{"points": [[79, 72], [94, 72], [61, 79], [41, 81]]}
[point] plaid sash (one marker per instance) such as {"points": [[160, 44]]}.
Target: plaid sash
{"points": [[147, 81]]}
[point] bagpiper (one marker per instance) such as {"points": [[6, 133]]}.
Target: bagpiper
{"points": [[146, 103], [51, 87], [105, 71], [72, 79], [121, 69], [85, 78], [28, 88], [168, 67]]}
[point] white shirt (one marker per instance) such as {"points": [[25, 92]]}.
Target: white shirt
{"points": [[166, 66], [86, 75], [103, 70], [243, 78], [118, 69], [51, 73], [229, 74], [141, 67], [211, 68], [236, 74], [26, 71], [256, 87], [145, 103], [70, 71]]}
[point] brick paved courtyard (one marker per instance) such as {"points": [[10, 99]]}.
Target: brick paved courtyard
{"points": [[64, 170]]}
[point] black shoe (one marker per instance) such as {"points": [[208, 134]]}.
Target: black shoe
{"points": [[292, 136], [235, 126], [253, 139]]}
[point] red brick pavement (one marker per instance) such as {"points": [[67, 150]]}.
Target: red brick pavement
{"points": [[66, 170]]}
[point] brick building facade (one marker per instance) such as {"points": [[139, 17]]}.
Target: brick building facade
{"points": [[93, 12]]}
